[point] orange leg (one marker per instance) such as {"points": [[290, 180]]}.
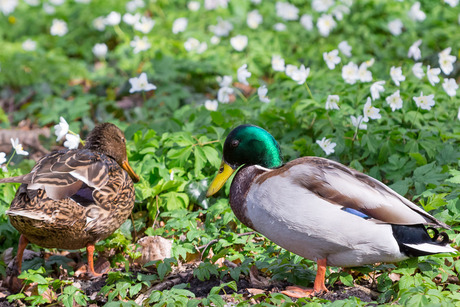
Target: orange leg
{"points": [[90, 252], [318, 286], [21, 247]]}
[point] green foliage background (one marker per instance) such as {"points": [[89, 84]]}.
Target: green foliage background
{"points": [[175, 142]]}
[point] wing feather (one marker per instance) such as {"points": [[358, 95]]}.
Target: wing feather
{"points": [[351, 189], [62, 173]]}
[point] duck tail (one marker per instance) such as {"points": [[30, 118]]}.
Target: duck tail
{"points": [[414, 240], [18, 179]]}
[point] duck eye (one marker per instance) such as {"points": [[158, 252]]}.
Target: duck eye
{"points": [[235, 143]]}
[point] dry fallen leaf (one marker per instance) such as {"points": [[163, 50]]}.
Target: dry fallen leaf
{"points": [[153, 248], [247, 90], [394, 277], [256, 279], [255, 291], [7, 255]]}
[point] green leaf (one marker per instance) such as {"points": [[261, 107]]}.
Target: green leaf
{"points": [[200, 160], [217, 118], [163, 269], [175, 200], [419, 158], [216, 300], [133, 290], [455, 176], [402, 186], [14, 297], [212, 155], [347, 280]]}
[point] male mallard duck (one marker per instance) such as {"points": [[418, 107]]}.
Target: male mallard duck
{"points": [[74, 198], [320, 209]]}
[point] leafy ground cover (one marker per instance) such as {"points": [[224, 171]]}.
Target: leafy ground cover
{"points": [[371, 84]]}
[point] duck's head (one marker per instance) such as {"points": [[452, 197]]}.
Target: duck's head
{"points": [[108, 139], [246, 145]]}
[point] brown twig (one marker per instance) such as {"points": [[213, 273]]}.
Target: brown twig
{"points": [[158, 210], [166, 284], [134, 228]]}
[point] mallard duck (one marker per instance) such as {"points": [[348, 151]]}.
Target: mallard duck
{"points": [[74, 198], [320, 209]]}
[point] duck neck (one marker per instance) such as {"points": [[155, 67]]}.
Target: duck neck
{"points": [[239, 189]]}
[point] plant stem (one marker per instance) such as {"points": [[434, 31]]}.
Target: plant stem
{"points": [[309, 92], [9, 160], [241, 95]]}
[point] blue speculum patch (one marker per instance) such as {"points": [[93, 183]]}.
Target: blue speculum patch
{"points": [[356, 212]]}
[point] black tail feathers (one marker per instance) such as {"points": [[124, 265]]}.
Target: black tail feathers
{"points": [[408, 236]]}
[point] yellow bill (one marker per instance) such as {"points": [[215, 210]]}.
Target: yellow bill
{"points": [[225, 171], [130, 171]]}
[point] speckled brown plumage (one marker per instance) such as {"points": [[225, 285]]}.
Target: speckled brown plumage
{"points": [[74, 198]]}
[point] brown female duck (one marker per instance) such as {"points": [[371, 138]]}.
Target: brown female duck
{"points": [[74, 198]]}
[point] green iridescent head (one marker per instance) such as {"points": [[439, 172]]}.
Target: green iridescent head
{"points": [[246, 145], [251, 145]]}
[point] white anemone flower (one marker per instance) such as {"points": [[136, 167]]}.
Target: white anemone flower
{"points": [[396, 75], [254, 19], [58, 28], [211, 105], [395, 101], [131, 19], [345, 49], [424, 102], [414, 51], [61, 129], [193, 6], [433, 75], [225, 81], [179, 25], [327, 145], [306, 21], [325, 24], [278, 63], [8, 6], [243, 74], [144, 25], [331, 102], [370, 112], [287, 11], [415, 13], [239, 42], [376, 89], [359, 122], [72, 141], [113, 19], [223, 95], [29, 45], [262, 92], [300, 74], [100, 50], [18, 147], [350, 73], [450, 86], [139, 84], [140, 44], [446, 61], [395, 27], [364, 75], [331, 58], [417, 70], [2, 158]]}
